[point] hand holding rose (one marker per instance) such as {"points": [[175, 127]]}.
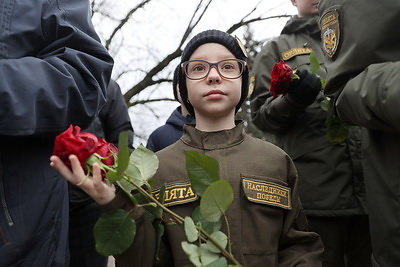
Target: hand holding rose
{"points": [[94, 186], [72, 151]]}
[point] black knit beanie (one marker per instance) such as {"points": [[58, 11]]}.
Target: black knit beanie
{"points": [[175, 82], [213, 36]]}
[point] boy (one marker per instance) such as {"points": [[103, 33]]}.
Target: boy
{"points": [[213, 83]]}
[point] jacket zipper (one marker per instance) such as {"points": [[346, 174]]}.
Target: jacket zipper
{"points": [[3, 199]]}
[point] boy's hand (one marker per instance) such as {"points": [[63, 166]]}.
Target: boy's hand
{"points": [[94, 185]]}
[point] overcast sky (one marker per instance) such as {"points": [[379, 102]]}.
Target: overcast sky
{"points": [[156, 30]]}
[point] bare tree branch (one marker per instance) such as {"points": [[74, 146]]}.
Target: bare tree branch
{"points": [[148, 79], [146, 101], [124, 21], [243, 22]]}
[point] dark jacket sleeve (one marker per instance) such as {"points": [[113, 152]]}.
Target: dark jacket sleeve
{"points": [[58, 79], [114, 115], [371, 98]]}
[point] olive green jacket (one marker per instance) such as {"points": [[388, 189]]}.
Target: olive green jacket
{"points": [[330, 174], [363, 61], [267, 225]]}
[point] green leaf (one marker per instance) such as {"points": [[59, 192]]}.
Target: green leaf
{"points": [[216, 199], [202, 170], [190, 230], [114, 232], [323, 82], [220, 262], [193, 253], [209, 227], [159, 227], [336, 131], [134, 175], [206, 256], [112, 176], [314, 64], [326, 103], [123, 153], [125, 185], [220, 238], [145, 160]]}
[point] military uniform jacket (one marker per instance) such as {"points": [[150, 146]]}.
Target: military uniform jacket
{"points": [[265, 231], [363, 63], [330, 174]]}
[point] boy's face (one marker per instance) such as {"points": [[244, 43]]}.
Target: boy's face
{"points": [[213, 96], [306, 8]]}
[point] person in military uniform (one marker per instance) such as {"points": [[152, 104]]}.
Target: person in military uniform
{"points": [[266, 221], [361, 42], [330, 175]]}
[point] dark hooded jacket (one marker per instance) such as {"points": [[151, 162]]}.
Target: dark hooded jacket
{"points": [[53, 72], [170, 132]]}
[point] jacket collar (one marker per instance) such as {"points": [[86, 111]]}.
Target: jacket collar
{"points": [[213, 140], [305, 24]]}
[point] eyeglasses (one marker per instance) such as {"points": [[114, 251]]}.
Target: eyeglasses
{"points": [[227, 68]]}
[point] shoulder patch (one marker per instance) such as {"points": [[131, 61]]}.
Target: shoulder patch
{"points": [[177, 193], [268, 193], [286, 55], [330, 32]]}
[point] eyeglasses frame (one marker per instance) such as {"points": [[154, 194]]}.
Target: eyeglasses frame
{"points": [[184, 64]]}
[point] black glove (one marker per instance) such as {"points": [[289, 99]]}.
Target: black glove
{"points": [[304, 90]]}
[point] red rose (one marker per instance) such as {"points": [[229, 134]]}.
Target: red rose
{"points": [[83, 145], [281, 77], [106, 150]]}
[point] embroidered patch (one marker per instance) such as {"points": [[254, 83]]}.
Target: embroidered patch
{"points": [[295, 52], [177, 193], [267, 193], [330, 32]]}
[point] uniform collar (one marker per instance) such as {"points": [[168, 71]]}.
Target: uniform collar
{"points": [[304, 24], [213, 140]]}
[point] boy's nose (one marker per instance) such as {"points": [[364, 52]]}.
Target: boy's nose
{"points": [[213, 75]]}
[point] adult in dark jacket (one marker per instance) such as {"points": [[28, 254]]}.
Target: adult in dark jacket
{"points": [[172, 130], [53, 72], [361, 44], [330, 174], [84, 212]]}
